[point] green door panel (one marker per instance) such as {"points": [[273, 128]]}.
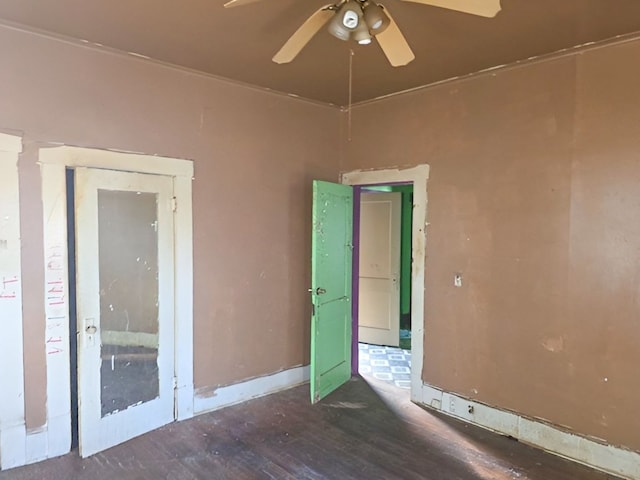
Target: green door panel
{"points": [[331, 250]]}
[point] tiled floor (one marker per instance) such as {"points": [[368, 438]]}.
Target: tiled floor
{"points": [[389, 364]]}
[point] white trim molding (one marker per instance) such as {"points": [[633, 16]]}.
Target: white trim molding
{"points": [[56, 440], [57, 437], [209, 399], [183, 265], [12, 413], [10, 144], [418, 176], [607, 458], [68, 156], [37, 444]]}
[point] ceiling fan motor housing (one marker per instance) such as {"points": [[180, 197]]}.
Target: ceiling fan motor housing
{"points": [[347, 19], [358, 20]]}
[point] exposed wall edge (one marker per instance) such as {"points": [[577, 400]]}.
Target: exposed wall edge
{"points": [[254, 388], [606, 458]]}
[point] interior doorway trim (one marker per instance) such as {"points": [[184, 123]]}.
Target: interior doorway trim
{"points": [[53, 163], [418, 176], [12, 410]]}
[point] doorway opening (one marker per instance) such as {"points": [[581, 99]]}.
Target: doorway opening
{"points": [[415, 178], [382, 236]]}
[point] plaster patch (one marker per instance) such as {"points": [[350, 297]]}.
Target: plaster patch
{"points": [[554, 344]]}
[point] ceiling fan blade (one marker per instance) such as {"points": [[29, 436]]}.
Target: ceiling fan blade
{"points": [[305, 32], [484, 8], [394, 45], [238, 3]]}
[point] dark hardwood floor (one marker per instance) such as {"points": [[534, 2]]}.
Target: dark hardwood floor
{"points": [[362, 431]]}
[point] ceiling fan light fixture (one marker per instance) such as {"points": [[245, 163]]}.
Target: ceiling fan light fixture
{"points": [[375, 17], [350, 19], [336, 29], [362, 35], [346, 20]]}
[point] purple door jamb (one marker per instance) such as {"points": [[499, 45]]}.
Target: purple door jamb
{"points": [[355, 284]]}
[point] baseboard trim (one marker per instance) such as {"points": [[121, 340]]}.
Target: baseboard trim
{"points": [[207, 399], [20, 447], [606, 458], [37, 445], [12, 446]]}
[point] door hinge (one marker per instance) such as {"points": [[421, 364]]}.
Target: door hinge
{"points": [[175, 383], [174, 204]]}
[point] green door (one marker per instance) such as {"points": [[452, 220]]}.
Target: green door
{"points": [[331, 287]]}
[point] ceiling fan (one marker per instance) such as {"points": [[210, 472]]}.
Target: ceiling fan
{"points": [[362, 20]]}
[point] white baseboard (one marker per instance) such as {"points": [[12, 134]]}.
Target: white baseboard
{"points": [[207, 400], [58, 436], [21, 448], [607, 458], [37, 445], [12, 446]]}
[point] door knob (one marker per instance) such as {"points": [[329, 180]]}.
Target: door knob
{"points": [[91, 329], [317, 291]]}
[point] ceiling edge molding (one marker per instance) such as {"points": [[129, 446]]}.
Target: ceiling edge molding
{"points": [[565, 52], [98, 47]]}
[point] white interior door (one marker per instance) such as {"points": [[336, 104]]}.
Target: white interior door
{"points": [[125, 298], [379, 284]]}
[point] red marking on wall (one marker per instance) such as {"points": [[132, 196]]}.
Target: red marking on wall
{"points": [[8, 288], [52, 345], [55, 292]]}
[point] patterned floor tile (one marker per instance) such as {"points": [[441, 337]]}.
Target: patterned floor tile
{"points": [[389, 364]]}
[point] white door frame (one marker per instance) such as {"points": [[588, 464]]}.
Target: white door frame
{"points": [[12, 412], [53, 163], [418, 176]]}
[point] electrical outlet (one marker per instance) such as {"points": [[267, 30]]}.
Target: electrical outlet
{"points": [[452, 405], [457, 280]]}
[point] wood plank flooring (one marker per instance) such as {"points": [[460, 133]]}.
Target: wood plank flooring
{"points": [[363, 431]]}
